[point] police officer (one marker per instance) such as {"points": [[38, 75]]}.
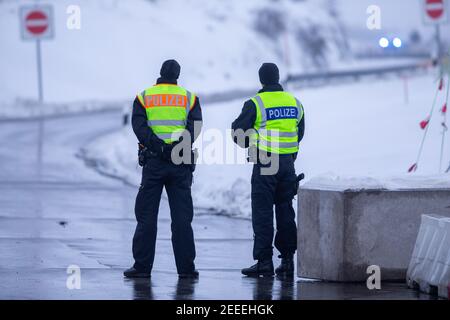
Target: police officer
{"points": [[162, 115], [276, 121]]}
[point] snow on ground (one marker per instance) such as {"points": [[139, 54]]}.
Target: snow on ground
{"points": [[332, 181], [359, 135], [121, 44]]}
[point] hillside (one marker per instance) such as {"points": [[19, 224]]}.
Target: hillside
{"points": [[121, 44]]}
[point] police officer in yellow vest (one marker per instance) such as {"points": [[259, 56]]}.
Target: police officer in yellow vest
{"points": [[165, 116], [275, 120]]}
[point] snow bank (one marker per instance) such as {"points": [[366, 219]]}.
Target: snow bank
{"points": [[114, 154], [361, 136], [224, 190], [332, 181]]}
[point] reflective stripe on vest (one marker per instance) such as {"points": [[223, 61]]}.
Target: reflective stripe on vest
{"points": [[276, 133], [278, 115], [152, 123], [277, 144], [167, 107]]}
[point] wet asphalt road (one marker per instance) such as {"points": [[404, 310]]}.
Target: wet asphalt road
{"points": [[67, 214]]}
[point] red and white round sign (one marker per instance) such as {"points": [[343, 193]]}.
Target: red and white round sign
{"points": [[434, 9], [36, 22]]}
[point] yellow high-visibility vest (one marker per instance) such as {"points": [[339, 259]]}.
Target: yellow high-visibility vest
{"points": [[167, 107]]}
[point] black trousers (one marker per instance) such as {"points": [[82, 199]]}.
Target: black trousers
{"points": [[177, 179], [269, 190]]}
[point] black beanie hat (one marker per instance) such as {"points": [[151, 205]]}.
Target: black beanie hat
{"points": [[170, 70], [269, 74]]}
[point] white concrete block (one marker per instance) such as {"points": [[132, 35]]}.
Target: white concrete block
{"points": [[430, 262], [343, 231]]}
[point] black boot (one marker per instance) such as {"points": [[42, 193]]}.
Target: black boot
{"points": [[261, 268], [189, 275], [286, 268], [133, 273]]}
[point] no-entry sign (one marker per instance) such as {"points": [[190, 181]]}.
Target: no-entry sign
{"points": [[36, 22], [435, 11]]}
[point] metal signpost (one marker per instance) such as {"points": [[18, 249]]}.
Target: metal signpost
{"points": [[435, 12], [36, 24]]}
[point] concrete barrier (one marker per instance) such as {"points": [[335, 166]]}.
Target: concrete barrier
{"points": [[429, 269], [342, 232]]}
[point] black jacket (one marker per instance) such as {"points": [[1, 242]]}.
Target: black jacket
{"points": [[145, 134], [247, 118]]}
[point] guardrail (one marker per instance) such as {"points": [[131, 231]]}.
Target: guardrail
{"points": [[356, 74], [324, 78]]}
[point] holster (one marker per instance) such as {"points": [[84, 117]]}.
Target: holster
{"points": [[142, 154], [290, 190], [300, 177], [145, 153]]}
